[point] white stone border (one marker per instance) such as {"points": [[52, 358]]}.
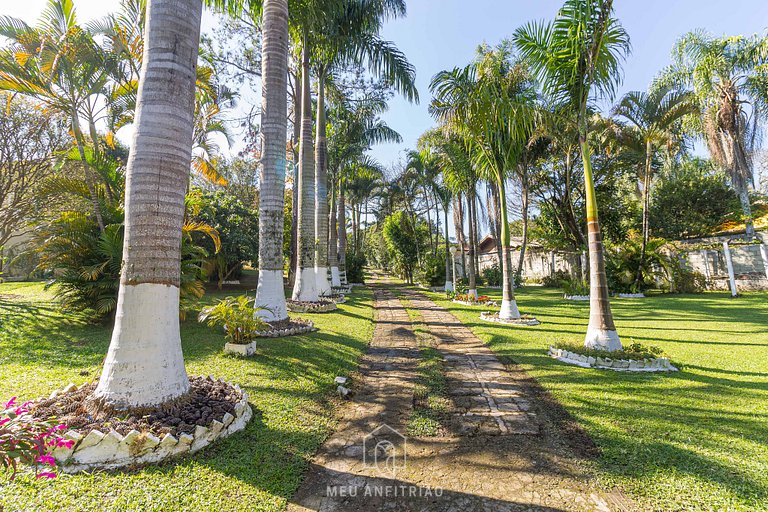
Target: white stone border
{"points": [[280, 333], [98, 450], [659, 364], [576, 297], [489, 316], [315, 307], [240, 349], [344, 290], [488, 303], [631, 295]]}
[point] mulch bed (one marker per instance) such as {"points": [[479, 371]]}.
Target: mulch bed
{"points": [[206, 401]]}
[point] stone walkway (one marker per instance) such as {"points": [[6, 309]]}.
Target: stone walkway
{"points": [[505, 451]]}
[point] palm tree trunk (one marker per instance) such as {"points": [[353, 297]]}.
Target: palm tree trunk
{"points": [[145, 364], [270, 293], [509, 309], [293, 265], [458, 222], [305, 288], [524, 213], [601, 332], [472, 277], [321, 193], [448, 258], [333, 238], [496, 224], [646, 201], [342, 220]]}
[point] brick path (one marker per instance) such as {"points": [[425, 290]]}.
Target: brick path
{"points": [[500, 455]]}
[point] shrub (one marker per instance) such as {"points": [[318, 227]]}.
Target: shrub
{"points": [[492, 275], [355, 267], [683, 280], [432, 270], [572, 286], [238, 317], [555, 280], [23, 438]]}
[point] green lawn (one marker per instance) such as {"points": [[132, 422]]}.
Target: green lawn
{"points": [[289, 381], [693, 440]]}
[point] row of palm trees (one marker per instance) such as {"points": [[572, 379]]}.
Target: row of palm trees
{"points": [[530, 98]]}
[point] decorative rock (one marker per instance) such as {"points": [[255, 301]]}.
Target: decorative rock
{"points": [[227, 419], [661, 364], [343, 392], [340, 380], [576, 297], [201, 439], [70, 387]]}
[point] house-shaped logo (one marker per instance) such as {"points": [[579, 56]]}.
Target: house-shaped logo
{"points": [[385, 449]]}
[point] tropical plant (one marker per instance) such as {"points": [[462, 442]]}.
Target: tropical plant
{"points": [[654, 115], [574, 56], [624, 259], [400, 235], [728, 78], [238, 316]]}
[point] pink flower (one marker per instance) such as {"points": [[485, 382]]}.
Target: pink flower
{"points": [[46, 475], [10, 402], [4, 421], [60, 427], [47, 459]]}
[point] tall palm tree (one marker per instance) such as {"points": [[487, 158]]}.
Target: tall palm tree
{"points": [[145, 365], [654, 115], [492, 102], [728, 78], [274, 100], [347, 37], [577, 54]]}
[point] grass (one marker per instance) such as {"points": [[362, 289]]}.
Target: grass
{"points": [[289, 382], [691, 440]]}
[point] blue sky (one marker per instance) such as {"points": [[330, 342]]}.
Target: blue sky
{"points": [[441, 34]]}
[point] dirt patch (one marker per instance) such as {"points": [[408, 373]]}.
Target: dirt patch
{"points": [[206, 401]]}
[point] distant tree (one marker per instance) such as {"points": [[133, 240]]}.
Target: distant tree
{"points": [[29, 140], [690, 200], [401, 239]]}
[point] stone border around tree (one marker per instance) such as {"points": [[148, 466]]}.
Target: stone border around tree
{"points": [[309, 326], [631, 295], [576, 297], [111, 450], [489, 316], [321, 306], [488, 303], [659, 364]]}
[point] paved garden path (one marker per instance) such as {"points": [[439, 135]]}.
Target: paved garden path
{"points": [[505, 448]]}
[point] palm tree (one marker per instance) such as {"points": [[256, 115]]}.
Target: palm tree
{"points": [[145, 365], [270, 294], [60, 65], [728, 78], [492, 102], [579, 53], [654, 115], [351, 37]]}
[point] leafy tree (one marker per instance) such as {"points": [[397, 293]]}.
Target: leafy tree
{"points": [[401, 238], [691, 199]]}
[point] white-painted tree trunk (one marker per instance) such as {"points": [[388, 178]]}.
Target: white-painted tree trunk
{"points": [[729, 265], [448, 285], [602, 339], [509, 310], [764, 255], [335, 277], [270, 294], [145, 364], [472, 292], [323, 285]]}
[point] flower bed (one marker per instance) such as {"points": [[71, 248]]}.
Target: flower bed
{"points": [[321, 306], [524, 320], [469, 300], [289, 327], [656, 364], [211, 410]]}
